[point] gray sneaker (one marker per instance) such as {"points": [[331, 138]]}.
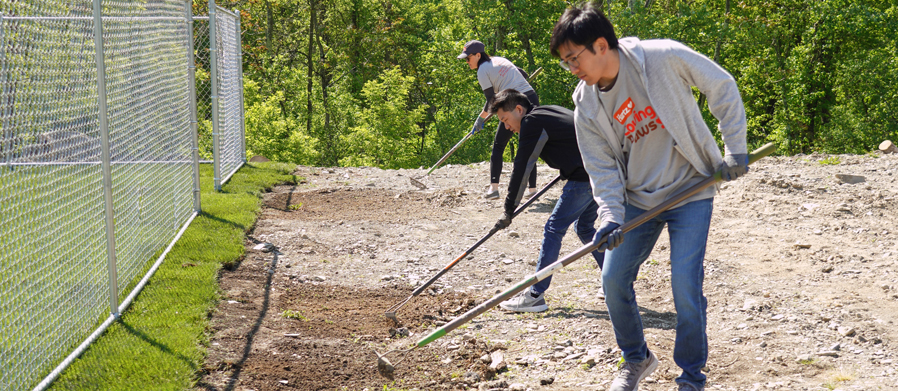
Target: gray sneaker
{"points": [[529, 194], [524, 302], [689, 387], [491, 194], [631, 374]]}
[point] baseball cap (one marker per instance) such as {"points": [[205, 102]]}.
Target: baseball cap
{"points": [[472, 47]]}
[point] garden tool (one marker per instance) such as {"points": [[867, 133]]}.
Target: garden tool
{"points": [[417, 181], [561, 263], [391, 312]]}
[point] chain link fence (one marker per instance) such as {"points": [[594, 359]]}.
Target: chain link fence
{"points": [[219, 83], [98, 164]]}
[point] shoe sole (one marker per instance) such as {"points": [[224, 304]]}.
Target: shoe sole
{"points": [[539, 308]]}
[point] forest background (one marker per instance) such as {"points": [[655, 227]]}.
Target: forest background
{"points": [[376, 82]]}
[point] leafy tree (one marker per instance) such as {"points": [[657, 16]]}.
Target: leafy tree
{"points": [[386, 134]]}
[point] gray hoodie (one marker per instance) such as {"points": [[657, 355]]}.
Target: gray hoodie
{"points": [[668, 70]]}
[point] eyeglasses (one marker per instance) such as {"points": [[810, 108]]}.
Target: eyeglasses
{"points": [[572, 62]]}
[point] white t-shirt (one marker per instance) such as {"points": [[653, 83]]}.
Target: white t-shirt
{"points": [[499, 74]]}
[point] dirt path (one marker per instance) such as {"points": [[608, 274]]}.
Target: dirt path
{"points": [[800, 280]]}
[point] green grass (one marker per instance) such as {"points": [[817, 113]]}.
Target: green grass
{"points": [[830, 161], [160, 341]]}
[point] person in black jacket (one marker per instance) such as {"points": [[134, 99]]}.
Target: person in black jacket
{"points": [[546, 132]]}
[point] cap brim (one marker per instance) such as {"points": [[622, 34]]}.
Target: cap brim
{"points": [[461, 56]]}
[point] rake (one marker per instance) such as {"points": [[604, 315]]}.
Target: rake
{"points": [[417, 181], [386, 368], [391, 312]]}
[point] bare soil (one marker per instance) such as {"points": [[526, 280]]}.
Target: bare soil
{"points": [[799, 274]]}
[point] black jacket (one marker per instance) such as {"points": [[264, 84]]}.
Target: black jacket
{"points": [[547, 132]]}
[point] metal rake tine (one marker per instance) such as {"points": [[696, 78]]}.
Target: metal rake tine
{"points": [[399, 305]]}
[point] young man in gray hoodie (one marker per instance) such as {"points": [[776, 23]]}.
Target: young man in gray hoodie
{"points": [[643, 139]]}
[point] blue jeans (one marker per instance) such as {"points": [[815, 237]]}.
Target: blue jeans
{"points": [[575, 205], [688, 229]]}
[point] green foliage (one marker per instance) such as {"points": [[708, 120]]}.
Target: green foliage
{"points": [[271, 134], [388, 130], [815, 76], [290, 314]]}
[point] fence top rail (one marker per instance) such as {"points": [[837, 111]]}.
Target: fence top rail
{"points": [[105, 18], [225, 10]]}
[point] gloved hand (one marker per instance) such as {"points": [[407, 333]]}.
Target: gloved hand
{"points": [[478, 125], [504, 222], [615, 235], [734, 166]]}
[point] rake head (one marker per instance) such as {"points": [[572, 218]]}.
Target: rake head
{"points": [[391, 312], [417, 183]]}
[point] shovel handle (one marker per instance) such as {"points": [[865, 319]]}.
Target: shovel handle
{"points": [[580, 252]]}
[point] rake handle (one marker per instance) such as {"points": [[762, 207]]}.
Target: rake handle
{"points": [[580, 252], [451, 151], [492, 232]]}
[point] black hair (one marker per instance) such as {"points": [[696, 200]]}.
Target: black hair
{"points": [[582, 25], [483, 58], [508, 99]]}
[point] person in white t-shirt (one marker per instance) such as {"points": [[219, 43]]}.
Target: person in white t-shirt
{"points": [[496, 74]]}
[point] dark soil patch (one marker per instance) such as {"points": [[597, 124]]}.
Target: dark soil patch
{"points": [[314, 336], [360, 204]]}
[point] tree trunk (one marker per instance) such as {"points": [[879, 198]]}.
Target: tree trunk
{"points": [[726, 22], [525, 42], [310, 65]]}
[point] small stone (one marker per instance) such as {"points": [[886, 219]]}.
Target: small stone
{"points": [[546, 381], [508, 261], [497, 361], [514, 234], [828, 353], [472, 377], [264, 247], [386, 277], [846, 331], [318, 278], [531, 262], [837, 347], [494, 385], [803, 358], [517, 387], [485, 358], [827, 269], [850, 179]]}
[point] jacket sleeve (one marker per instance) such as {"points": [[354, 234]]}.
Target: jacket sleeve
{"points": [[606, 173], [722, 93], [489, 94], [532, 140]]}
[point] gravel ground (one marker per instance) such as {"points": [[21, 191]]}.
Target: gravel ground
{"points": [[800, 280]]}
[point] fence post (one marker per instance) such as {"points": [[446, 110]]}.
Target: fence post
{"points": [[103, 118], [213, 76], [240, 74], [191, 83]]}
